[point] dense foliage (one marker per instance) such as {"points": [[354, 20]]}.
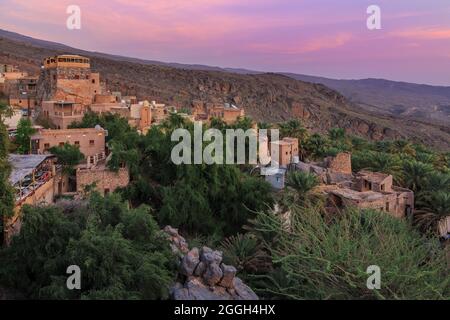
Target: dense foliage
{"points": [[314, 258], [121, 252], [23, 137], [198, 199], [6, 192], [292, 250]]}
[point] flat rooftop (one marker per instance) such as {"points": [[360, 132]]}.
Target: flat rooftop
{"points": [[356, 195], [373, 176], [24, 165], [60, 132]]}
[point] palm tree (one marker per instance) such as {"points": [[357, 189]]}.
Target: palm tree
{"points": [[174, 121], [433, 208], [315, 146], [386, 163], [403, 146], [243, 123], [294, 129], [218, 123], [300, 186], [336, 134], [415, 174]]}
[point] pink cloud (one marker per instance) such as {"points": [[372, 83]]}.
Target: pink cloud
{"points": [[432, 33]]}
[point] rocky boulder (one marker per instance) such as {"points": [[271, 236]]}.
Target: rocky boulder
{"points": [[203, 275]]}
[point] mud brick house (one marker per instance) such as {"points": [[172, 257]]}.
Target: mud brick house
{"points": [[20, 87], [286, 151], [91, 142], [94, 170]]}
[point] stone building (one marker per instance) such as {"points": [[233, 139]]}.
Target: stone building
{"points": [[68, 78], [19, 87], [364, 189], [101, 178], [22, 92], [286, 151], [91, 142], [62, 113], [229, 113]]}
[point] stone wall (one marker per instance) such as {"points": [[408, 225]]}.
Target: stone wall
{"points": [[105, 180], [341, 163]]}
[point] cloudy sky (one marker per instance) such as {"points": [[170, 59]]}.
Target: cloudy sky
{"points": [[317, 37]]}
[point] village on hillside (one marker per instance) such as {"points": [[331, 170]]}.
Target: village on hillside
{"points": [[67, 89]]}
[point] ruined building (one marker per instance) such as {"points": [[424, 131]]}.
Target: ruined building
{"points": [[365, 189], [229, 113]]}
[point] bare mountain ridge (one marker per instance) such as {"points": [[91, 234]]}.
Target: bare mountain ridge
{"points": [[417, 101], [266, 97]]}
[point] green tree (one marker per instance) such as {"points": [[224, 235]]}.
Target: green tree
{"points": [[386, 163], [121, 252], [68, 156], [416, 174], [294, 129], [5, 111], [7, 194], [23, 138], [300, 189]]}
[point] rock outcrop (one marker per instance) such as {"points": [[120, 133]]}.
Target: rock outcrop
{"points": [[203, 275]]}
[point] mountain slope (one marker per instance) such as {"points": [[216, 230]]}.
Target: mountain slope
{"points": [[266, 97], [417, 101]]}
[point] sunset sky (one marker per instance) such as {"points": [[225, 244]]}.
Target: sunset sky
{"points": [[317, 37]]}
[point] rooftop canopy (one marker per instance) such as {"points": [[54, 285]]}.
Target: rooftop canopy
{"points": [[24, 165]]}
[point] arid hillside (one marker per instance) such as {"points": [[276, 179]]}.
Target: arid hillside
{"points": [[265, 97]]}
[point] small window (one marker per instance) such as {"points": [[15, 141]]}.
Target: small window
{"points": [[387, 206], [91, 142], [93, 80], [107, 191], [61, 144], [46, 146], [77, 143]]}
